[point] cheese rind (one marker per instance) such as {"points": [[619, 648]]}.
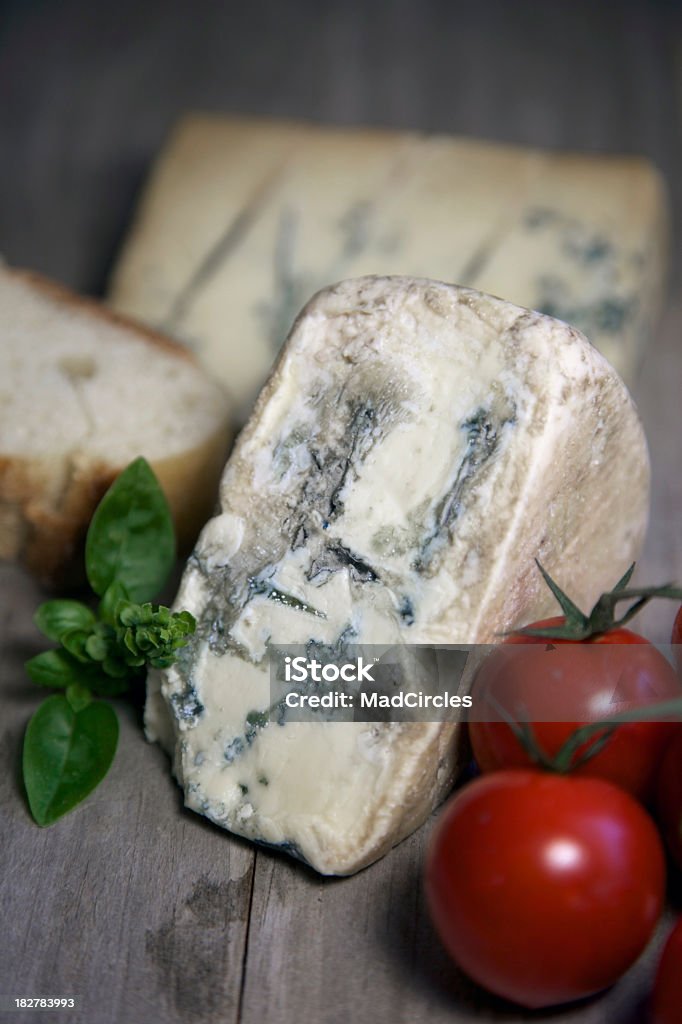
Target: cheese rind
{"points": [[416, 448], [243, 220]]}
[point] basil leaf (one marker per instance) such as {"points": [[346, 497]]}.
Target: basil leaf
{"points": [[75, 642], [131, 538], [112, 597], [96, 647], [54, 618], [57, 669], [67, 753], [78, 696], [107, 686], [115, 667]]}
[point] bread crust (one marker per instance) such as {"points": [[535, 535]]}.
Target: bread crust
{"points": [[63, 296], [48, 536], [35, 529]]}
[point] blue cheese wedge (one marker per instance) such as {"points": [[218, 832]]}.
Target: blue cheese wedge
{"points": [[244, 219], [417, 446]]}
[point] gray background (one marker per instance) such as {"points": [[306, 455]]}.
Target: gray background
{"points": [[143, 910]]}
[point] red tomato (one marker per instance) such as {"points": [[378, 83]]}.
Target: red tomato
{"points": [[669, 798], [544, 888], [558, 685], [666, 1005]]}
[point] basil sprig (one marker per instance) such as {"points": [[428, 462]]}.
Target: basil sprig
{"points": [[71, 739]]}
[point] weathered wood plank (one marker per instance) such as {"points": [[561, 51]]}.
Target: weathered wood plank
{"points": [[362, 949], [131, 903]]}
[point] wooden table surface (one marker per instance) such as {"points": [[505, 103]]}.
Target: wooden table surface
{"points": [[139, 908]]}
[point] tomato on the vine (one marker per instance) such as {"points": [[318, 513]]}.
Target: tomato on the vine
{"points": [[669, 797], [544, 888], [572, 670], [666, 1003], [558, 685]]}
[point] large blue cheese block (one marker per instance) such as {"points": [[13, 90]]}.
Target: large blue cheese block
{"points": [[243, 219]]}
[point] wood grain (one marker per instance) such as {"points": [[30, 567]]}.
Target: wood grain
{"points": [[140, 908], [132, 904]]}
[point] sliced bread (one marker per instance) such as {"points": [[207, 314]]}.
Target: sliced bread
{"points": [[82, 393]]}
